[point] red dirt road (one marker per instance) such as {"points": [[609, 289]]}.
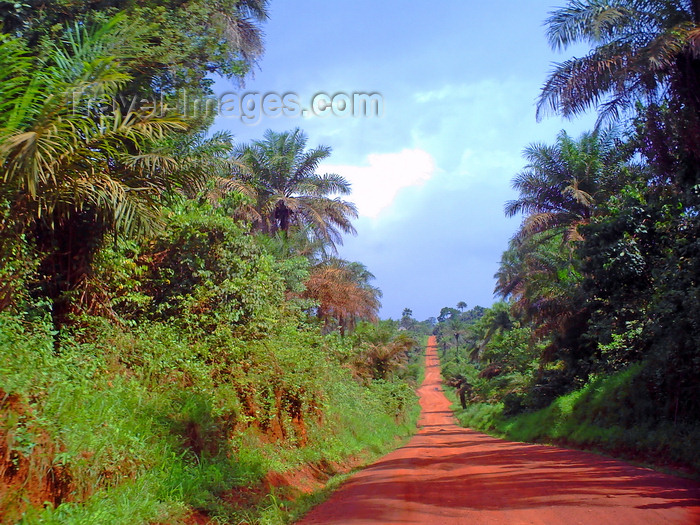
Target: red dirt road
{"points": [[448, 474]]}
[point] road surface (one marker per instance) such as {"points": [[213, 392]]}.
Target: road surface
{"points": [[448, 474]]}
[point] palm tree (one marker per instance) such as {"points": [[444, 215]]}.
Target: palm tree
{"points": [[343, 293], [379, 360], [382, 349], [562, 183], [510, 277], [407, 321], [289, 193], [540, 278], [72, 167], [61, 150], [643, 51]]}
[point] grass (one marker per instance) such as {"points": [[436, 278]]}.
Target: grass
{"points": [[152, 426], [607, 415]]}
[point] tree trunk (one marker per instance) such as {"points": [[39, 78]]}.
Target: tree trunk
{"points": [[70, 245], [282, 216]]}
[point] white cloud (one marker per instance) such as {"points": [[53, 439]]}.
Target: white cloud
{"points": [[452, 92], [375, 186]]}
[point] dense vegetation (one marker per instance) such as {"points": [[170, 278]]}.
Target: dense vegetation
{"points": [[597, 340], [174, 327]]}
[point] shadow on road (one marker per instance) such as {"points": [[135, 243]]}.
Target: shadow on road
{"points": [[449, 474]]}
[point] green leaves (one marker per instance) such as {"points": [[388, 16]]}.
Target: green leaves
{"points": [[640, 51], [208, 273], [289, 194], [62, 150], [562, 183], [169, 55]]}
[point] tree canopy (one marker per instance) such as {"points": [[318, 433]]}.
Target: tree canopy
{"points": [[289, 193]]}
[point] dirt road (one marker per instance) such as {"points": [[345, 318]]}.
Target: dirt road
{"points": [[448, 474]]}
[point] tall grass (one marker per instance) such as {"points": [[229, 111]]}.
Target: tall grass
{"points": [[611, 414], [152, 425]]}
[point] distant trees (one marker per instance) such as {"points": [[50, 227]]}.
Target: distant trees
{"points": [[407, 321], [452, 326], [446, 313]]}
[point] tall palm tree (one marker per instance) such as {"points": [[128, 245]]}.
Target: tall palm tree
{"points": [[559, 191], [289, 193], [643, 50], [62, 149], [562, 183], [71, 166], [343, 293]]}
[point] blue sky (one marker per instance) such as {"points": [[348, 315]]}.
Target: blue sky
{"points": [[459, 80]]}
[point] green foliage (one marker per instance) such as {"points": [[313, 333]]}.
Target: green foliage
{"points": [[150, 422], [74, 167], [613, 413], [207, 273], [203, 272], [156, 355], [227, 40], [18, 261], [61, 150], [597, 304], [453, 327], [630, 205], [561, 184]]}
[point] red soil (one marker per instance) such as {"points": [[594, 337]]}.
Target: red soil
{"points": [[448, 474], [29, 475]]}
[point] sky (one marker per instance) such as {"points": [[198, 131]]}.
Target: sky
{"points": [[432, 171]]}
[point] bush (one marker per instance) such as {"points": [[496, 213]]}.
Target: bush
{"points": [[146, 423], [613, 413]]}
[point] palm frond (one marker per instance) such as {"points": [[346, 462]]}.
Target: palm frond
{"points": [[289, 192], [635, 57], [61, 153], [592, 21]]}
